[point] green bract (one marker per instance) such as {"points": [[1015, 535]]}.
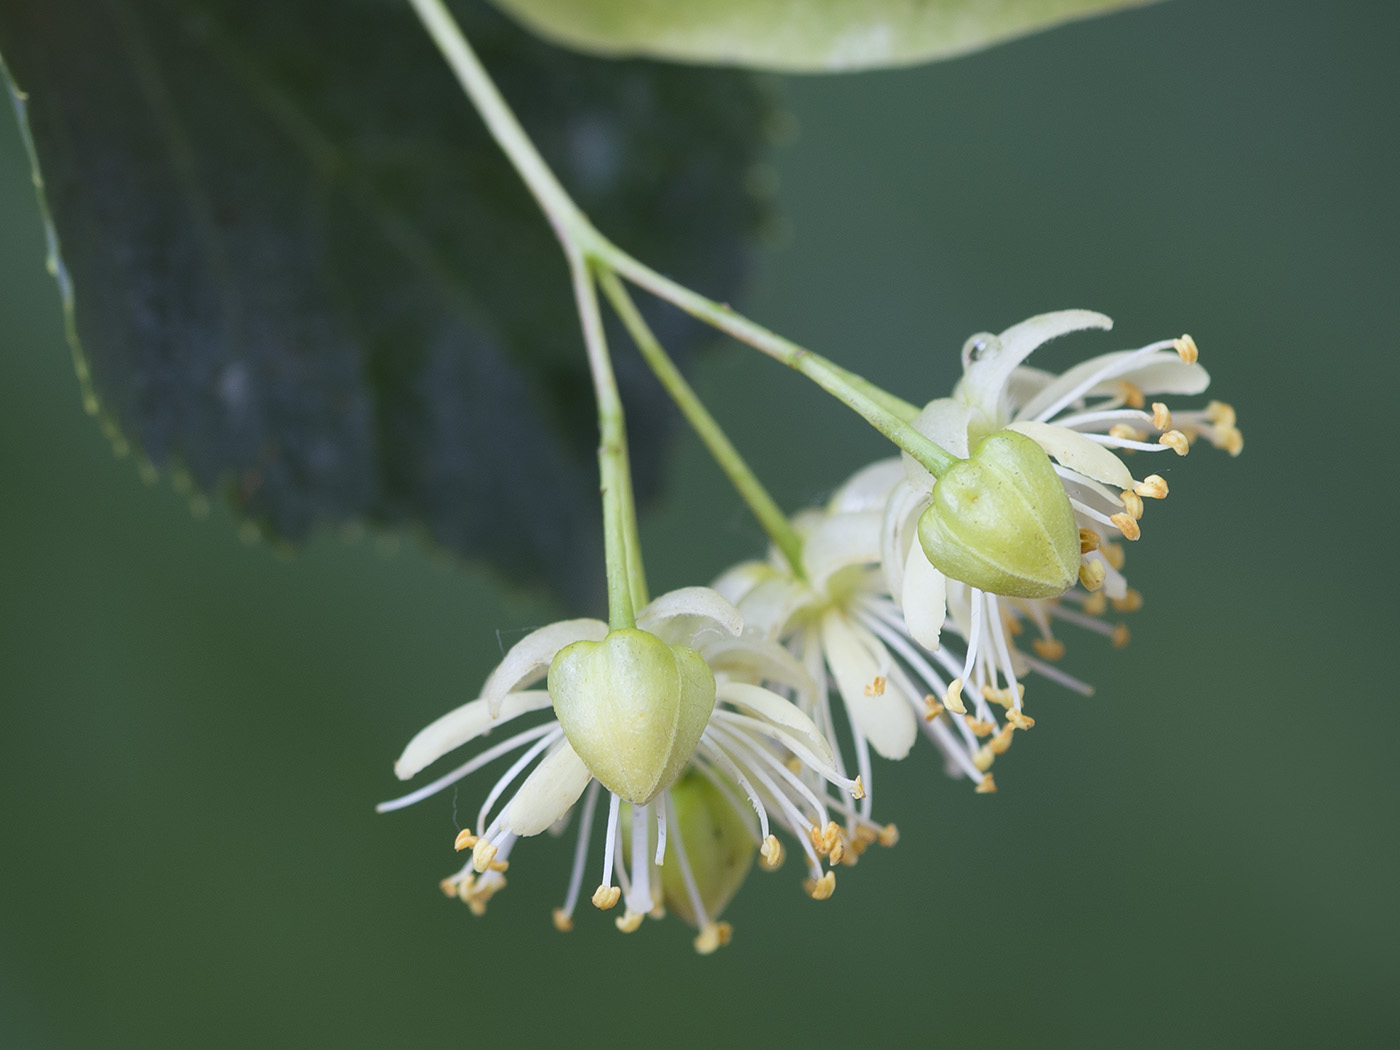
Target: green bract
{"points": [[633, 708], [795, 35], [1001, 521]]}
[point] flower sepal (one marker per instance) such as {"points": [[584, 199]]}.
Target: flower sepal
{"points": [[1000, 521], [633, 708]]}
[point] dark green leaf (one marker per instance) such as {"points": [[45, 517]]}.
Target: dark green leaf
{"points": [[301, 271]]}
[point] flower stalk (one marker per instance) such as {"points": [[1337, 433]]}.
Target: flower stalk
{"points": [[886, 413], [740, 475]]}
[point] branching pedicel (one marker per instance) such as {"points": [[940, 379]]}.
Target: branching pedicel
{"points": [[706, 715]]}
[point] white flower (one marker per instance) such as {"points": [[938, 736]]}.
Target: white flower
{"points": [[838, 618], [1084, 420], [753, 740]]}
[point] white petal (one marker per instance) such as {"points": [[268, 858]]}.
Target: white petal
{"points": [[551, 788], [457, 727], [945, 422], [737, 581], [753, 658], [689, 615], [840, 541], [768, 607], [985, 379], [1077, 452], [867, 488], [885, 717], [1166, 373], [528, 659], [896, 532], [783, 715], [1157, 373], [924, 598], [1025, 383]]}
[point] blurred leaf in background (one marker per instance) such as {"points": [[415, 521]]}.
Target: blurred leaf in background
{"points": [[1201, 855], [796, 35], [303, 272]]}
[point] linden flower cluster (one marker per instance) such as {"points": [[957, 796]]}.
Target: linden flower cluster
{"points": [[699, 763], [912, 602], [915, 629], [921, 598]]}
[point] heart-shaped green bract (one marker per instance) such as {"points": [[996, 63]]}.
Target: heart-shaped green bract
{"points": [[719, 847], [633, 708], [1001, 521], [795, 35]]}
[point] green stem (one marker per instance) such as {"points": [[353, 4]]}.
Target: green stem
{"points": [[563, 213], [626, 583], [763, 506], [887, 414]]}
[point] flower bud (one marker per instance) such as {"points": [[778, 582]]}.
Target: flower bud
{"points": [[719, 848], [1001, 521], [633, 708]]}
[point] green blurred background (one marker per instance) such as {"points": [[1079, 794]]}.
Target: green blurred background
{"points": [[1204, 854]]}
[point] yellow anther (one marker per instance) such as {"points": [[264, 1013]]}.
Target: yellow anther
{"points": [[1113, 554], [1126, 525], [1001, 741], [448, 887], [822, 888], [1186, 349], [932, 708], [952, 699], [988, 786], [983, 759], [1096, 604], [628, 921], [483, 853], [771, 853], [978, 726], [1130, 602], [877, 687], [1132, 503], [857, 789], [1005, 697], [465, 840], [1092, 574], [1232, 442], [1130, 394], [1048, 648], [1123, 432], [475, 893], [713, 936], [1154, 486], [1019, 719], [498, 865], [1161, 416], [1011, 626], [1221, 413], [563, 921], [888, 835], [1121, 635], [1088, 541], [1176, 441], [658, 909], [604, 897]]}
